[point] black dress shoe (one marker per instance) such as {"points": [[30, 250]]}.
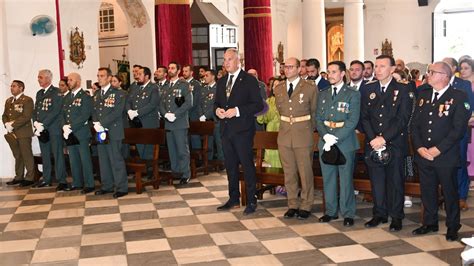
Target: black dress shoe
{"points": [[375, 222], [87, 190], [26, 183], [228, 205], [14, 182], [103, 192], [326, 218], [348, 222], [184, 181], [250, 208], [425, 229], [303, 215], [290, 213], [452, 234], [119, 194], [72, 188], [42, 184], [62, 187], [396, 225]]}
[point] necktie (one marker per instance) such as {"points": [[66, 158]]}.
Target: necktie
{"points": [[229, 86], [171, 84], [334, 92], [382, 90], [436, 97], [290, 91], [141, 87], [102, 93]]}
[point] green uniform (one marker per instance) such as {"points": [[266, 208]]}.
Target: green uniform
{"points": [[48, 107], [206, 108], [177, 131], [194, 112], [20, 111], [344, 109], [108, 110], [76, 112], [145, 100]]}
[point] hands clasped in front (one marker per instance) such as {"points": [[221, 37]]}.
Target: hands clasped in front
{"points": [[429, 154], [221, 113], [329, 140]]}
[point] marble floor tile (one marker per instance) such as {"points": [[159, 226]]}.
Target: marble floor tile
{"points": [[236, 237], [117, 260], [200, 254], [185, 230], [370, 235], [432, 242], [313, 229], [141, 224], [145, 246], [415, 259], [174, 212], [102, 238], [18, 245], [262, 223], [287, 245], [56, 254], [217, 217], [348, 253], [110, 249], [73, 230]]}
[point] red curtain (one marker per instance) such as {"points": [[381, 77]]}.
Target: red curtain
{"points": [[258, 37], [173, 32]]}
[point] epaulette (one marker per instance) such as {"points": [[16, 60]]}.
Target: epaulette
{"points": [[325, 89], [402, 82], [370, 82], [353, 88]]}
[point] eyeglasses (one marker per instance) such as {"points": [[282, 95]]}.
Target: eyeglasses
{"points": [[431, 72], [289, 67]]}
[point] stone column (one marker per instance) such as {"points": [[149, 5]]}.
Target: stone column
{"points": [[314, 31], [353, 30]]}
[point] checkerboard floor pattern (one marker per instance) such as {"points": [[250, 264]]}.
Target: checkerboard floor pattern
{"points": [[180, 225]]}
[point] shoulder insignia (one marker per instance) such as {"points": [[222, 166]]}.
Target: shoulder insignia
{"points": [[372, 96], [468, 107]]}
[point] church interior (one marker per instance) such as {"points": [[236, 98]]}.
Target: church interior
{"points": [[176, 223]]}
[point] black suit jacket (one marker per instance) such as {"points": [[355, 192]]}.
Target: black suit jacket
{"points": [[441, 125], [245, 95]]}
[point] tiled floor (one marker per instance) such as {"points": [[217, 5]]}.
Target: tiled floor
{"points": [[180, 225]]}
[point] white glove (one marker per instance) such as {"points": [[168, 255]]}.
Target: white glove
{"points": [[202, 118], [9, 126], [98, 127], [66, 131], [330, 139], [170, 116], [40, 128], [36, 124], [381, 149], [37, 133], [327, 147], [132, 114]]}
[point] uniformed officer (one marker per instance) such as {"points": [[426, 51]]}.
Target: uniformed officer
{"points": [[385, 112], [337, 116], [175, 104], [77, 111], [134, 85], [296, 103], [47, 118], [160, 78], [195, 87], [142, 103], [17, 120], [109, 104], [439, 124], [206, 106]]}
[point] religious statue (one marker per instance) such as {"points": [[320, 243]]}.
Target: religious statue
{"points": [[335, 43], [77, 52], [387, 48]]}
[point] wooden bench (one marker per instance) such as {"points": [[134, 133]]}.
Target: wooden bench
{"points": [[203, 130], [150, 136], [275, 176]]}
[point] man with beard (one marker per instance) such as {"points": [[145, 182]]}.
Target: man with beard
{"points": [[312, 69], [160, 75], [356, 72], [195, 88], [176, 101], [369, 71]]}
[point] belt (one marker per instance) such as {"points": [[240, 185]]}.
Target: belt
{"points": [[292, 120], [332, 124]]}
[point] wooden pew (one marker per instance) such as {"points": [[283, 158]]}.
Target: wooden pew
{"points": [[203, 130], [152, 136]]}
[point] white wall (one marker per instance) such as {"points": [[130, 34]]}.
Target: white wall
{"points": [[82, 16], [402, 22]]}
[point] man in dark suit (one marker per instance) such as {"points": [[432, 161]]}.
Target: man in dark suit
{"points": [[237, 102], [385, 112], [109, 105], [462, 176], [369, 71], [439, 124], [143, 103], [312, 69], [17, 120], [47, 118]]}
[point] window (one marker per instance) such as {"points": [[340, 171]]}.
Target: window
{"points": [[231, 35], [200, 58], [200, 34], [106, 18]]}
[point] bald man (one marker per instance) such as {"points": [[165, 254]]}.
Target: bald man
{"points": [[77, 111]]}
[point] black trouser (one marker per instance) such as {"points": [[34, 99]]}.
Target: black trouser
{"points": [[388, 186], [430, 178], [238, 150]]}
